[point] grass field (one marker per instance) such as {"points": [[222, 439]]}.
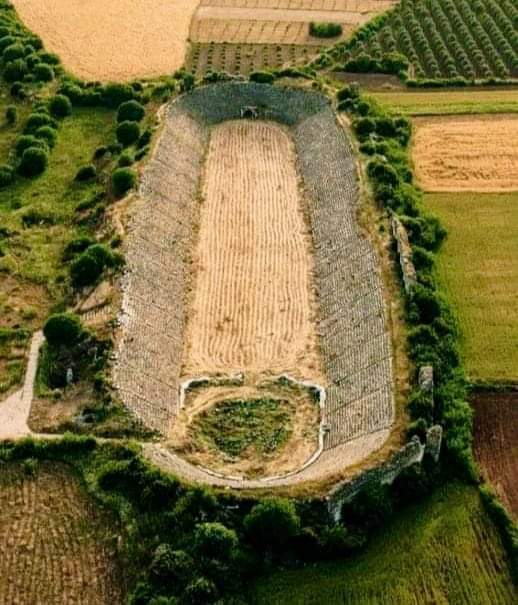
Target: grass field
{"points": [[444, 551], [478, 271], [450, 102]]}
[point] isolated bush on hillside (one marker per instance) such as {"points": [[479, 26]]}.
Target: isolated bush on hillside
{"points": [[130, 110], [47, 134], [60, 106], [128, 132], [34, 161], [262, 77], [76, 246], [86, 269], [123, 179], [63, 329], [86, 173]]}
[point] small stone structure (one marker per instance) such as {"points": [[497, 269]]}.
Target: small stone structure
{"points": [[404, 253], [411, 453], [425, 379]]}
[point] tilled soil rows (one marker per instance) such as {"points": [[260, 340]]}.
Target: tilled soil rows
{"points": [[253, 307], [56, 546], [496, 442]]}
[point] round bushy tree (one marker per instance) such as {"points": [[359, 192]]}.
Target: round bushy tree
{"points": [[36, 120], [15, 70], [60, 106], [28, 140], [12, 52], [271, 523], [170, 567], [86, 269], [123, 179], [34, 161], [128, 132], [86, 173], [47, 134], [215, 541], [43, 72], [11, 114], [63, 329], [114, 94], [130, 110]]}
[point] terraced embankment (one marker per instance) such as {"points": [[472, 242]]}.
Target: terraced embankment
{"points": [[358, 411]]}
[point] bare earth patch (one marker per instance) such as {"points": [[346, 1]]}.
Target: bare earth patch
{"points": [[116, 40], [56, 546], [467, 153], [253, 308]]}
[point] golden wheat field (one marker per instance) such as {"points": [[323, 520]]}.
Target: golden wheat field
{"points": [[116, 40], [253, 303], [466, 153], [56, 546]]}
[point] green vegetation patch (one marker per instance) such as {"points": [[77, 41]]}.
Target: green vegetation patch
{"points": [[478, 271], [450, 102], [325, 30], [442, 551], [233, 426]]}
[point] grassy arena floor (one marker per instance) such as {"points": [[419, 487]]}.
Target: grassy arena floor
{"points": [[444, 551], [450, 101], [479, 273]]}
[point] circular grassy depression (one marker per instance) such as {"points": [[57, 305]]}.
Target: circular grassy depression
{"points": [[238, 428]]}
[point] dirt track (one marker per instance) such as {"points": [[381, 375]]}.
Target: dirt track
{"points": [[467, 153], [115, 40], [253, 307]]}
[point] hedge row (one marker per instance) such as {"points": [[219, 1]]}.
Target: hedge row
{"points": [[433, 336]]}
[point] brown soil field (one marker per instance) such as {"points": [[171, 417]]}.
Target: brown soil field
{"points": [[496, 442], [253, 308], [466, 153], [116, 40], [56, 546]]}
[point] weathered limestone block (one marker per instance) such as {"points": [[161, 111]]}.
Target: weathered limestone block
{"points": [[405, 253]]}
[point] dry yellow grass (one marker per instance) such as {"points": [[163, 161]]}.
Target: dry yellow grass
{"points": [[253, 306], [467, 153], [115, 40]]}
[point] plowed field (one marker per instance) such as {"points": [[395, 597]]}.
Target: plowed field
{"points": [[115, 40], [253, 304], [55, 545], [467, 153], [496, 442]]}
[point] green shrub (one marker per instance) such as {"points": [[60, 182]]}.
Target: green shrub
{"points": [[86, 173], [123, 179], [325, 30], [12, 52], [271, 523], [100, 152], [126, 159], [43, 72], [34, 216], [34, 161], [215, 541], [63, 329], [11, 114], [6, 175], [131, 111], [171, 568], [114, 94], [25, 141], [15, 70], [200, 592], [6, 41], [60, 106], [35, 120], [76, 246], [128, 132], [262, 77], [47, 134]]}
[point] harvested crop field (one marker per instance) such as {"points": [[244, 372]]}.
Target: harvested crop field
{"points": [[116, 40], [496, 442], [466, 153], [56, 546], [253, 307], [164, 307], [478, 272]]}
